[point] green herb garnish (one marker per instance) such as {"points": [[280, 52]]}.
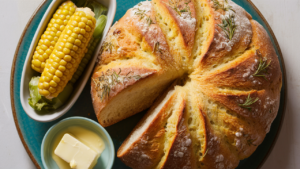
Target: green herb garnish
{"points": [[250, 142], [142, 14], [175, 7], [249, 101], [228, 26], [218, 5], [109, 79], [262, 66], [107, 46], [205, 153]]}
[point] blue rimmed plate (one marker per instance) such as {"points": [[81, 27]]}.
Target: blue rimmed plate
{"points": [[32, 132]]}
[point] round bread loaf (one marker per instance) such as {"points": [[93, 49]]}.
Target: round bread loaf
{"points": [[209, 74]]}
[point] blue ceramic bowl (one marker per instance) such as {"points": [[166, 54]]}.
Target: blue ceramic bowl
{"points": [[106, 159]]}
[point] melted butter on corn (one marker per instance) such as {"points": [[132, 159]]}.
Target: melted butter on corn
{"points": [[67, 53]]}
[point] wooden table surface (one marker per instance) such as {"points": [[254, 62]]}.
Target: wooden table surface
{"points": [[282, 15]]}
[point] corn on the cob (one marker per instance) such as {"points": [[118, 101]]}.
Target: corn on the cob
{"points": [[67, 53], [100, 25], [85, 60], [49, 38]]}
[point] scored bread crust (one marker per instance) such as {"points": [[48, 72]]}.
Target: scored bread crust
{"points": [[131, 45], [148, 147], [203, 121]]}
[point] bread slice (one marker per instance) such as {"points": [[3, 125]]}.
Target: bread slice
{"points": [[161, 139], [130, 89], [144, 148], [178, 29], [180, 154], [137, 50], [204, 30]]}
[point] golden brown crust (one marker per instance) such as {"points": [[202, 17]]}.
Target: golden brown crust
{"points": [[127, 76], [178, 26], [187, 31], [212, 126], [222, 49], [181, 154], [147, 150]]}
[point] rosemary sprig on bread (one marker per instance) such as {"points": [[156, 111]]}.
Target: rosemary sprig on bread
{"points": [[109, 79], [228, 26], [262, 66], [218, 5], [249, 101]]}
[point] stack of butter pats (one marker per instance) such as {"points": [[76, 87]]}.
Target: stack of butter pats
{"points": [[76, 153]]}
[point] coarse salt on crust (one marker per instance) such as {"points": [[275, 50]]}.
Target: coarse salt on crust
{"points": [[145, 9], [243, 27]]}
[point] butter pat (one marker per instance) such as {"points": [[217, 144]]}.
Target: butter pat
{"points": [[77, 154]]}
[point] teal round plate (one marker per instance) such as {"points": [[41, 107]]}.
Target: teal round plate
{"points": [[32, 132]]}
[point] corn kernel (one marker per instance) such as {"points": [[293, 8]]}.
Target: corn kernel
{"points": [[52, 90], [65, 12], [36, 63], [56, 79], [87, 28], [58, 33], [81, 25], [44, 92], [90, 23], [71, 39], [80, 36], [40, 57], [52, 70], [67, 58], [55, 58], [69, 32], [55, 64], [77, 18], [69, 45], [59, 48], [40, 85], [77, 42], [74, 35], [74, 23], [43, 65], [62, 68], [63, 62], [45, 56], [72, 9], [53, 83], [66, 51], [58, 73], [69, 65], [45, 85], [73, 61], [75, 48], [49, 75], [62, 27]]}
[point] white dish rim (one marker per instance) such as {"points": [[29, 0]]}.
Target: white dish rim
{"points": [[24, 90]]}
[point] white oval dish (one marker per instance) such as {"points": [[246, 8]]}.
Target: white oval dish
{"points": [[28, 72]]}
